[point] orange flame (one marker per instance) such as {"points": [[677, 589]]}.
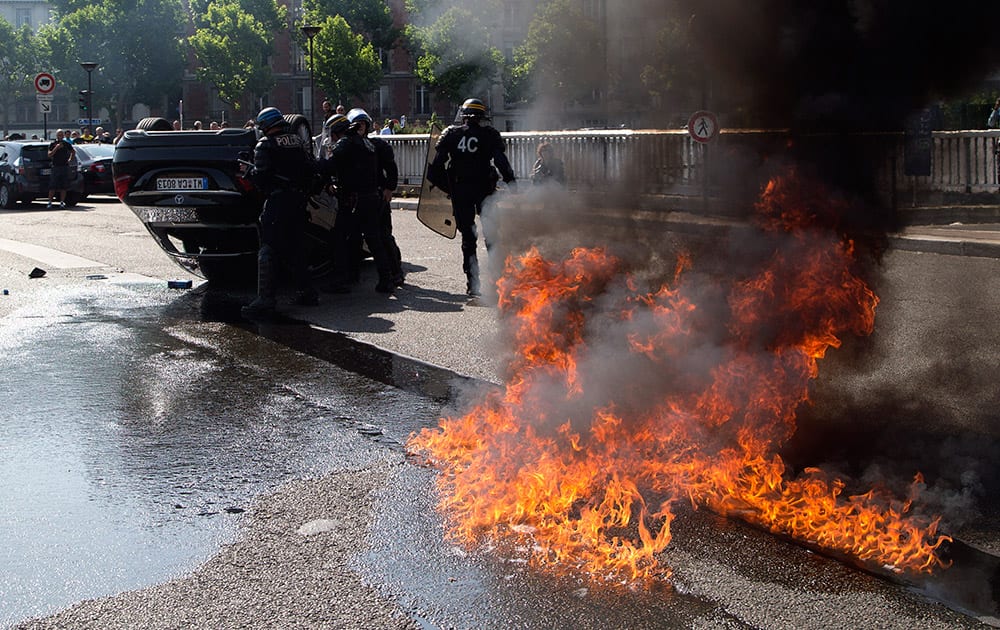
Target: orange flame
{"points": [[578, 460]]}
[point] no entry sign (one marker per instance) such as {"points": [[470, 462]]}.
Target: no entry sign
{"points": [[44, 83], [703, 126]]}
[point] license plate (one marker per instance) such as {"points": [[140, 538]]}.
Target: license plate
{"points": [[182, 183], [46, 171]]}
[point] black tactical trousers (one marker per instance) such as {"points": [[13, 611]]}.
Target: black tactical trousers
{"points": [[359, 217], [282, 228]]}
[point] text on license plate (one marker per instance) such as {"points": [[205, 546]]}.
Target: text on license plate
{"points": [[46, 171], [182, 183]]}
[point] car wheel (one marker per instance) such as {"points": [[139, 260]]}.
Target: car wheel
{"points": [[155, 123], [72, 199], [230, 272], [299, 125], [318, 251], [7, 198]]}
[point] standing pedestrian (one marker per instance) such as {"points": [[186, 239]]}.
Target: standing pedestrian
{"points": [[354, 163], [60, 152], [283, 168], [548, 168], [993, 122], [473, 153]]}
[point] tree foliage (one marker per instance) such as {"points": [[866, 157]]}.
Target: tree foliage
{"points": [[233, 44], [674, 72], [553, 61], [454, 55], [20, 60], [345, 63], [371, 18], [114, 34]]}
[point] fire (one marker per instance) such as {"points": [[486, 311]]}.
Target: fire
{"points": [[578, 460]]}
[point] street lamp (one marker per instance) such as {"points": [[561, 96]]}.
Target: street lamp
{"points": [[310, 31], [89, 66]]}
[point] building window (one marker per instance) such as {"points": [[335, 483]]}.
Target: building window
{"points": [[300, 55], [22, 17], [380, 101], [510, 14], [302, 101], [383, 58], [594, 9], [422, 99]]}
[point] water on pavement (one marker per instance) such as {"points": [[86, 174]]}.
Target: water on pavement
{"points": [[131, 440]]}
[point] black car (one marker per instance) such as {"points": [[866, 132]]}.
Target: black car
{"points": [[187, 188], [24, 174], [95, 165]]}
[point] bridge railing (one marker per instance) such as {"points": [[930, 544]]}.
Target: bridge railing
{"points": [[669, 162]]}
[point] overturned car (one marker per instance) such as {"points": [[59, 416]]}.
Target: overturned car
{"points": [[187, 189]]}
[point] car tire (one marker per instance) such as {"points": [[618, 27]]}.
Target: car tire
{"points": [[155, 123], [316, 242], [229, 272], [299, 125], [7, 197], [72, 199]]}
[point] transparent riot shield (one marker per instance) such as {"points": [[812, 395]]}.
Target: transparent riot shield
{"points": [[434, 209]]}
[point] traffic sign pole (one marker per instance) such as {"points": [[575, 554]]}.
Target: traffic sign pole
{"points": [[45, 84], [703, 126]]}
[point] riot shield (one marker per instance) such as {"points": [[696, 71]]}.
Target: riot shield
{"points": [[434, 208]]}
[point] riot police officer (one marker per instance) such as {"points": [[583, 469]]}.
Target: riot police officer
{"points": [[283, 169], [388, 180], [471, 151], [354, 163]]}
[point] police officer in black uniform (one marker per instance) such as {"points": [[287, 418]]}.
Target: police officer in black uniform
{"points": [[388, 180], [284, 169], [463, 167], [354, 164]]}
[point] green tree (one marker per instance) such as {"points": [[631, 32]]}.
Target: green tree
{"points": [[132, 66], [454, 55], [345, 64], [371, 18], [552, 63], [674, 73], [233, 41], [20, 60]]}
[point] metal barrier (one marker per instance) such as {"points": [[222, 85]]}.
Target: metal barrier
{"points": [[669, 162]]}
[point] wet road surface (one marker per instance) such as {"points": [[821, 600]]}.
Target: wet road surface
{"points": [[132, 438]]}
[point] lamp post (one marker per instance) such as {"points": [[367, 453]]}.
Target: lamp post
{"points": [[89, 66], [310, 31]]}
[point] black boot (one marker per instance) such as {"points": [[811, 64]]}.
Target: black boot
{"points": [[472, 284], [263, 306], [472, 275], [306, 297], [385, 285]]}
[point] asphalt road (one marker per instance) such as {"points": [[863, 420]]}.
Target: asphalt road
{"points": [[362, 548]]}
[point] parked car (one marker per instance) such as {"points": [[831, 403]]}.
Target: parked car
{"points": [[24, 174], [95, 166]]}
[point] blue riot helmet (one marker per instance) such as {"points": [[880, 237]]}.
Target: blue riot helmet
{"points": [[269, 117]]}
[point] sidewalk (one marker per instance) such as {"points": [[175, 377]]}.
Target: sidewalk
{"points": [[431, 321]]}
